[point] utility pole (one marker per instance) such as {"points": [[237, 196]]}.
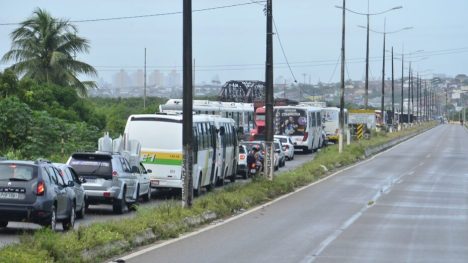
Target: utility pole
{"points": [[340, 140], [144, 85], [187, 100], [393, 92], [382, 106], [402, 84], [412, 96], [418, 96], [366, 97], [269, 93], [409, 93]]}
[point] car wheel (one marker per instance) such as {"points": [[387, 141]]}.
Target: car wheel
{"points": [[245, 175], [3, 223], [69, 223], [53, 219], [82, 212], [147, 196], [119, 204]]}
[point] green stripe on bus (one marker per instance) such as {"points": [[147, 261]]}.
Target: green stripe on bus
{"points": [[164, 162]]}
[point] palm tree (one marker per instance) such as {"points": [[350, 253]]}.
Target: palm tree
{"points": [[43, 48]]}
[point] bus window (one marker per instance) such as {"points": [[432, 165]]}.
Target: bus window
{"points": [[195, 145], [314, 120], [201, 138], [207, 135]]}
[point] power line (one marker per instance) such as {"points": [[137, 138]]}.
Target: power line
{"points": [[334, 70], [282, 50], [150, 15]]}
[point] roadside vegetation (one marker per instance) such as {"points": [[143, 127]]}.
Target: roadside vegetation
{"points": [[99, 241]]}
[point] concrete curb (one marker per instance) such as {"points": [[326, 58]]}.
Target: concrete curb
{"points": [[373, 150]]}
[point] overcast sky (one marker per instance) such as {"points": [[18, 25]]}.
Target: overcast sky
{"points": [[230, 42]]}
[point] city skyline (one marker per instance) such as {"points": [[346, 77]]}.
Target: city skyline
{"points": [[229, 42]]}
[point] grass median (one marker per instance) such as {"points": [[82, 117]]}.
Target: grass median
{"points": [[96, 242]]}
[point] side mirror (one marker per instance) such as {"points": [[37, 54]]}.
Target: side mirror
{"points": [[135, 169], [71, 184], [82, 179], [149, 171]]}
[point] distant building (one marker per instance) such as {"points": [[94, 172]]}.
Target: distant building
{"points": [[138, 78], [173, 79], [156, 78], [121, 81]]}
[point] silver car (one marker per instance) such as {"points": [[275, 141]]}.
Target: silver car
{"points": [[69, 175], [109, 179]]}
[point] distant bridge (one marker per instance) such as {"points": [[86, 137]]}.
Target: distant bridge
{"points": [[246, 91]]}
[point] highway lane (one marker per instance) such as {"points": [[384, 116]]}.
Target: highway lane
{"points": [[102, 213], [405, 205]]}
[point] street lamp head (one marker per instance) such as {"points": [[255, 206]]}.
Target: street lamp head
{"points": [[407, 28], [362, 26], [397, 7]]}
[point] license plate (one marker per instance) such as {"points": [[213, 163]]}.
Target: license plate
{"points": [[154, 182], [253, 171], [11, 196]]}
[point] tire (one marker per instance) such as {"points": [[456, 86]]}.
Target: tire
{"points": [[147, 196], [233, 178], [245, 175], [210, 187], [52, 224], [3, 223], [197, 192], [219, 181], [81, 214], [69, 223], [119, 204], [132, 206]]}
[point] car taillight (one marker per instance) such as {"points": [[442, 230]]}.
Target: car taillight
{"points": [[242, 156], [306, 135], [114, 173], [40, 190]]}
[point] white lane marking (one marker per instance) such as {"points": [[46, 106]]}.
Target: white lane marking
{"points": [[165, 243]]}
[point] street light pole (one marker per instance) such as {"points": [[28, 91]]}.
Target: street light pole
{"points": [[187, 117], [269, 149], [402, 84], [366, 97], [393, 92], [340, 140], [382, 106], [409, 93]]}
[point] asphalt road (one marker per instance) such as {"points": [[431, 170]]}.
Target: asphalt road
{"points": [[408, 204], [102, 213]]}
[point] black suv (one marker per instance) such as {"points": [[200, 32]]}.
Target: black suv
{"points": [[35, 192]]}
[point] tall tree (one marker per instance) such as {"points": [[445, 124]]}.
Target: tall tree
{"points": [[44, 48]]}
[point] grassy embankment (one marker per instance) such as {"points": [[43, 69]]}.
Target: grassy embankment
{"points": [[98, 241]]}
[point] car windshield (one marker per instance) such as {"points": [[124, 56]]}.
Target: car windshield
{"points": [[241, 149], [277, 146], [92, 166], [16, 172], [251, 145], [283, 140]]}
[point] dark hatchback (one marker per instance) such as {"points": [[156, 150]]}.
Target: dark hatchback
{"points": [[35, 192]]}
